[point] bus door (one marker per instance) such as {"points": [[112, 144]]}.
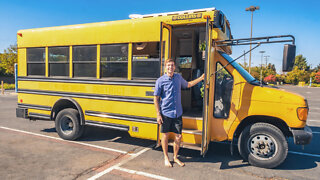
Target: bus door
{"points": [[165, 43], [206, 123], [165, 53]]}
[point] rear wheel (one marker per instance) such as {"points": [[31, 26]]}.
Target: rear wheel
{"points": [[263, 145], [68, 124]]}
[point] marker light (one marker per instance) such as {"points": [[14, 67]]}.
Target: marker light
{"points": [[206, 17], [302, 113]]}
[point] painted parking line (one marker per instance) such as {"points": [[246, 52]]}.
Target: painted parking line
{"points": [[142, 173], [119, 164], [59, 139], [304, 154], [312, 120]]}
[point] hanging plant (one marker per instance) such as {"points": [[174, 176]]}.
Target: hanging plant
{"points": [[202, 46], [202, 90]]}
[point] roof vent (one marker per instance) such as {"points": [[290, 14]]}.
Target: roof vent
{"points": [[136, 16]]}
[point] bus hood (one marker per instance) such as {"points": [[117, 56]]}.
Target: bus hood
{"points": [[268, 94]]}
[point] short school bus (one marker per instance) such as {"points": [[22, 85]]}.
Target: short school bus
{"points": [[103, 74]]}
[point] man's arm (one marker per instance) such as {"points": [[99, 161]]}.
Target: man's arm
{"points": [[156, 100], [196, 81]]}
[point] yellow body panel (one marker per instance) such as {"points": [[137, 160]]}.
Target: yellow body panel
{"points": [[39, 111], [134, 91], [22, 58]]}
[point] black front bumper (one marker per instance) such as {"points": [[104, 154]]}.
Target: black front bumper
{"points": [[302, 136]]}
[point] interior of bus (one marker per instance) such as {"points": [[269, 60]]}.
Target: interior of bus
{"points": [[186, 51]]}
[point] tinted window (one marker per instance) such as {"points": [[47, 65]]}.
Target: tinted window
{"points": [[58, 61], [114, 60], [146, 60], [36, 61], [222, 92], [84, 61]]}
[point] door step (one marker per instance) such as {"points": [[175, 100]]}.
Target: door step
{"points": [[187, 145], [192, 131]]}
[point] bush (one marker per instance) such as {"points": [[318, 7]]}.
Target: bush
{"points": [[315, 85], [8, 86]]}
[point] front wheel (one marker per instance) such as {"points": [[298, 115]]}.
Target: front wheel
{"points": [[263, 145], [68, 124]]}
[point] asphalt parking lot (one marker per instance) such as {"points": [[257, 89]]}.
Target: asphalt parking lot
{"points": [[33, 150]]}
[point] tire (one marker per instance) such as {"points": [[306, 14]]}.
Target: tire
{"points": [[68, 124], [263, 145]]}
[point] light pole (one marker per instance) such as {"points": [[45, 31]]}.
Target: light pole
{"points": [[261, 65], [252, 9], [266, 58]]}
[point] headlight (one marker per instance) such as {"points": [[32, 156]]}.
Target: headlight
{"points": [[302, 113]]}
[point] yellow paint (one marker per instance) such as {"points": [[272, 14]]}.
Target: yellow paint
{"points": [[22, 62], [130, 61], [133, 91], [47, 62], [98, 61], [70, 63], [39, 111]]}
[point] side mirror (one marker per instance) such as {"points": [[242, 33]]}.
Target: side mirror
{"points": [[289, 54]]}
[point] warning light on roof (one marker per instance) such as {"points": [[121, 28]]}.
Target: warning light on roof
{"points": [[19, 34], [206, 17], [21, 100]]}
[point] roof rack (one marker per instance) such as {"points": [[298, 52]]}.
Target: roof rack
{"points": [[136, 16]]}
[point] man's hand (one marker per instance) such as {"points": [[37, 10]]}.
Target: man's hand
{"points": [[196, 81], [202, 77], [159, 119], [156, 103]]}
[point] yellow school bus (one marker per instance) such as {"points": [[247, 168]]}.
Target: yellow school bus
{"points": [[103, 74]]}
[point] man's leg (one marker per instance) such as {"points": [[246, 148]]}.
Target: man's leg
{"points": [[164, 144], [176, 147]]}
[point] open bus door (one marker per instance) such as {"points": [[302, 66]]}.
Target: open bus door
{"points": [[165, 53], [206, 123]]}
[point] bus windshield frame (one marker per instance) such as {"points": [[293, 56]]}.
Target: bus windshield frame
{"points": [[245, 74]]}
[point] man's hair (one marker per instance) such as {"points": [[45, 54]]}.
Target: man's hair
{"points": [[169, 60]]}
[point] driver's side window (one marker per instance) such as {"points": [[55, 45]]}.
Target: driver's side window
{"points": [[223, 92]]}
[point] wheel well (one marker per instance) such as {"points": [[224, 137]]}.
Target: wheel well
{"points": [[64, 103], [266, 119]]}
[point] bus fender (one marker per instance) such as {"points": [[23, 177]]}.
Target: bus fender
{"points": [[63, 103]]}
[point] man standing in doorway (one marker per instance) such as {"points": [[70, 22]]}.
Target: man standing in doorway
{"points": [[167, 100]]}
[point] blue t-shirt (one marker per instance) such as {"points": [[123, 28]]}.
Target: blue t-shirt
{"points": [[169, 90]]}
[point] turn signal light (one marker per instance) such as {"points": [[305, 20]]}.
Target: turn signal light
{"points": [[302, 113]]}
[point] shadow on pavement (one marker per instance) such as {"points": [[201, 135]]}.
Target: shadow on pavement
{"points": [[218, 152]]}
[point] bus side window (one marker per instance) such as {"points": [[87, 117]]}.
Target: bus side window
{"points": [[84, 60], [222, 92], [114, 60], [58, 61], [146, 60], [36, 61]]}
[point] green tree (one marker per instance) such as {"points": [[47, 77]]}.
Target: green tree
{"points": [[8, 58], [301, 63], [297, 75]]}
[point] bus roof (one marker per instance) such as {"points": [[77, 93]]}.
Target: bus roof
{"points": [[146, 28]]}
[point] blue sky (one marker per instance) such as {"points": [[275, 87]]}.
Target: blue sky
{"points": [[275, 17]]}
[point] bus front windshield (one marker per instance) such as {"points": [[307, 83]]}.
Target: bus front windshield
{"points": [[239, 68]]}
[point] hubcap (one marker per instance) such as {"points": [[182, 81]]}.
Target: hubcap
{"points": [[66, 125], [262, 146]]}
